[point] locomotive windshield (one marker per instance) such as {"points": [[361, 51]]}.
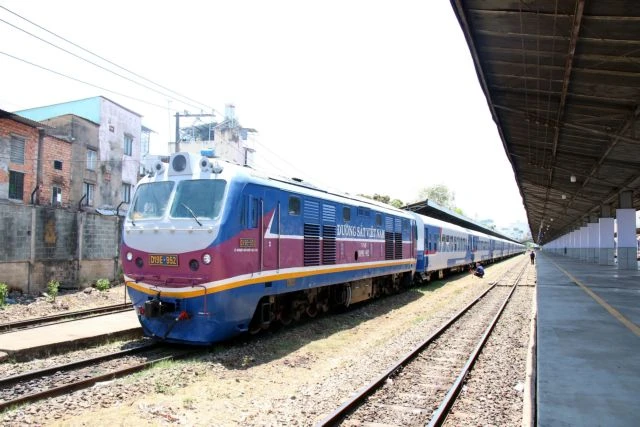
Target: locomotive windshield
{"points": [[200, 199], [151, 200]]}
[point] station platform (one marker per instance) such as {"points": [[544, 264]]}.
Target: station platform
{"points": [[588, 343], [34, 342]]}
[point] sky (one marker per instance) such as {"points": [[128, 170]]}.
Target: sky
{"points": [[361, 96]]}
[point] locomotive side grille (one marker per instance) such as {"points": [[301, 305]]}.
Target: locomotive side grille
{"points": [[329, 213], [388, 245], [311, 244], [398, 245], [388, 224], [329, 244], [311, 211]]}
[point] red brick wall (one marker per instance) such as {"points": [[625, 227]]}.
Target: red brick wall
{"points": [[10, 127], [55, 149]]}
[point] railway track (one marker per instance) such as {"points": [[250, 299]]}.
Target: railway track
{"points": [[65, 317], [421, 387], [63, 379]]}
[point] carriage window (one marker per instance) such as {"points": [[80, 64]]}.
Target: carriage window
{"points": [[253, 212], [294, 206], [363, 211], [378, 219], [346, 214]]}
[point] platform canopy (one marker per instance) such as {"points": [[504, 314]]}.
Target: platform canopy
{"points": [[562, 80]]}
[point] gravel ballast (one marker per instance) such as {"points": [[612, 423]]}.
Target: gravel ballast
{"points": [[293, 376]]}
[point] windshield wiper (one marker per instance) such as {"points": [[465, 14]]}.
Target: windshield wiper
{"points": [[191, 212]]}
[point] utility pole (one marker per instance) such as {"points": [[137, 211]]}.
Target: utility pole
{"points": [[186, 114]]}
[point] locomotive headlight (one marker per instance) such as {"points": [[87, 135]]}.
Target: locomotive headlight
{"points": [[179, 163], [206, 258], [129, 256]]}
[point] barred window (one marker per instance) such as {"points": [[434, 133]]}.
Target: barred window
{"points": [[16, 185], [88, 191]]}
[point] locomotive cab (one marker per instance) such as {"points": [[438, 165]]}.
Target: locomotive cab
{"points": [[174, 218]]}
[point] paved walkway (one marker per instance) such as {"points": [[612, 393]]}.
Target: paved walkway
{"points": [[94, 328], [588, 344]]}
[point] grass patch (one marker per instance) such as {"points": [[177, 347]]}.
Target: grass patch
{"points": [[189, 403]]}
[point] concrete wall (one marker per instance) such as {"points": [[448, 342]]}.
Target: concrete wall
{"points": [[117, 167], [15, 229], [45, 243]]}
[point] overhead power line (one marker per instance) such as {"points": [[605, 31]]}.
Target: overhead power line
{"points": [[106, 60], [98, 65], [164, 107]]}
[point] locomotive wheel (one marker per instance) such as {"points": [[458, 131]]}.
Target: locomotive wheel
{"points": [[254, 328], [312, 310], [285, 318]]}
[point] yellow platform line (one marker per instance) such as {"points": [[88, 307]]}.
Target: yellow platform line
{"points": [[615, 313]]}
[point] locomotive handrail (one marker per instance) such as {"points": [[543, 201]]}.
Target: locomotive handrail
{"points": [[142, 228]]}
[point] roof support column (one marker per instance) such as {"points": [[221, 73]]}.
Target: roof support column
{"points": [[626, 220], [572, 244], [605, 236], [584, 240], [592, 250], [576, 242]]}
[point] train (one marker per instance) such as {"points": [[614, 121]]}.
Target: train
{"points": [[212, 249]]}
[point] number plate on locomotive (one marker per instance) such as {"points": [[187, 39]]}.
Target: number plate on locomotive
{"points": [[165, 260]]}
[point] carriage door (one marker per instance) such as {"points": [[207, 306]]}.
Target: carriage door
{"points": [[253, 241], [271, 232]]}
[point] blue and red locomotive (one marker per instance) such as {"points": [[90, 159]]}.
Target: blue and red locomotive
{"points": [[212, 249]]}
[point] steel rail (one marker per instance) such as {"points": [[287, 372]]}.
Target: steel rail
{"points": [[25, 376], [65, 317], [68, 388], [443, 410], [366, 391]]}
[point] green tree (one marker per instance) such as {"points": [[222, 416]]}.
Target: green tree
{"points": [[440, 194], [384, 199], [397, 203], [459, 211]]}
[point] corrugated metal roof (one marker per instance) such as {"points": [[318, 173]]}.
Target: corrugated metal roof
{"points": [[562, 80]]}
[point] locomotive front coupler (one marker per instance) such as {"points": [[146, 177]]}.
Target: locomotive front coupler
{"points": [[156, 308]]}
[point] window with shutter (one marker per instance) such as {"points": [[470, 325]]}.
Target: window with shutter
{"points": [[17, 150]]}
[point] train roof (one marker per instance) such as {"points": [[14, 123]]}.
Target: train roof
{"points": [[433, 210], [296, 185]]}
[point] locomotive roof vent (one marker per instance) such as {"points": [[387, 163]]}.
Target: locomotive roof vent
{"points": [[180, 164]]}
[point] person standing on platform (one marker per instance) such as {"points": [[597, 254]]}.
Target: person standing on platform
{"points": [[532, 255]]}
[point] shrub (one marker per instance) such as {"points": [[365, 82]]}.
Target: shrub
{"points": [[102, 284], [52, 289], [4, 292]]}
